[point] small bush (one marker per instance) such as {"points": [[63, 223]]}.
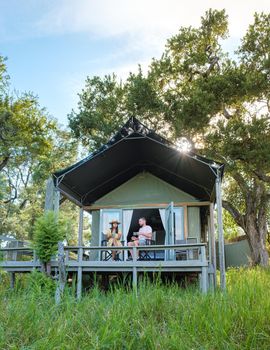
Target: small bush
{"points": [[38, 283], [48, 231]]}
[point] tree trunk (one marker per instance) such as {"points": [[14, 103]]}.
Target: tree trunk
{"points": [[254, 224], [48, 269], [256, 234]]}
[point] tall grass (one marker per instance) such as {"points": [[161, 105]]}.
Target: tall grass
{"points": [[159, 317]]}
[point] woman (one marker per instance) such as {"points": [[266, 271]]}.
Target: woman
{"points": [[113, 236]]}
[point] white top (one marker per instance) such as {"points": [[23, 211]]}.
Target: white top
{"points": [[144, 229]]}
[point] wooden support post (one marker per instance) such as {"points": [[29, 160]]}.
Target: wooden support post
{"points": [[210, 266], [134, 269], [204, 275], [49, 194], [209, 239], [185, 222], [213, 242], [56, 201], [62, 273], [80, 229], [80, 255], [12, 280], [79, 274], [67, 256], [52, 197], [220, 233]]}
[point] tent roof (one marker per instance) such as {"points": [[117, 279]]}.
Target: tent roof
{"points": [[134, 149]]}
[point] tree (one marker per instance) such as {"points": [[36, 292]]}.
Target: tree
{"points": [[224, 106], [106, 104], [32, 146], [219, 103]]}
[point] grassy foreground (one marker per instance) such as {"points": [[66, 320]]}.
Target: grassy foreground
{"points": [[159, 317]]}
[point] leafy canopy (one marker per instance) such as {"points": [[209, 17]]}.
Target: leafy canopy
{"points": [[218, 101]]}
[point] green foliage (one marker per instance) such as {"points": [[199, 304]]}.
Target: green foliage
{"points": [[48, 231], [100, 110], [221, 104], [38, 283], [106, 104], [231, 229], [31, 148], [160, 317]]}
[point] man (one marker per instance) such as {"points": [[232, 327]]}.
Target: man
{"points": [[145, 232]]}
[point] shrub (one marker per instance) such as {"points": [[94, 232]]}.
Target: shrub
{"points": [[48, 231], [38, 283]]}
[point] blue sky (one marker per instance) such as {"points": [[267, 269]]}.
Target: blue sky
{"points": [[52, 46]]}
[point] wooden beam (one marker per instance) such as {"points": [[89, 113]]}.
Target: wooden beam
{"points": [[61, 274], [12, 280], [145, 205], [204, 274], [220, 233], [80, 255], [185, 221], [134, 268], [80, 229], [213, 240], [49, 194]]}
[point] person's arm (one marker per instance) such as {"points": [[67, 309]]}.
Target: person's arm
{"points": [[109, 234], [147, 234], [119, 235]]}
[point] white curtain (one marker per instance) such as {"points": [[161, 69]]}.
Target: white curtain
{"points": [[127, 217], [163, 218]]}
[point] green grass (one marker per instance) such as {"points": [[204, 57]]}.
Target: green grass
{"points": [[159, 317]]}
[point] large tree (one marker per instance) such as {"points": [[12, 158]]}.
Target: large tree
{"points": [[219, 101], [32, 146]]}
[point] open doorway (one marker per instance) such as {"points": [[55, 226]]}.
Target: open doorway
{"points": [[153, 219]]}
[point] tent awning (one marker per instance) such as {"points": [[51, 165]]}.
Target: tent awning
{"points": [[134, 149]]}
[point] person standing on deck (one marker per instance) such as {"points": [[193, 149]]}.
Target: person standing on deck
{"points": [[145, 232]]}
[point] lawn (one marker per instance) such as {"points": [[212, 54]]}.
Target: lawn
{"points": [[159, 317]]}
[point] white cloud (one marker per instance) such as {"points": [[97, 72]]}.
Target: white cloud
{"points": [[142, 25], [147, 21]]}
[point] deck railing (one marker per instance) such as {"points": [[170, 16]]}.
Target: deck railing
{"points": [[178, 258], [178, 252]]}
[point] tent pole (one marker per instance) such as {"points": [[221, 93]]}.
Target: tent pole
{"points": [[220, 233], [80, 229], [80, 255], [213, 241]]}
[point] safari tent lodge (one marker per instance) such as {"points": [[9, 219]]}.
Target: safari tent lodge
{"points": [[138, 173]]}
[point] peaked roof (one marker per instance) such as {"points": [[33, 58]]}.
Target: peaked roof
{"points": [[133, 149]]}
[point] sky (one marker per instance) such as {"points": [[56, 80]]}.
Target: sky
{"points": [[53, 45]]}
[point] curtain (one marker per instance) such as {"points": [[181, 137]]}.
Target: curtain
{"points": [[162, 216], [179, 223], [127, 217]]}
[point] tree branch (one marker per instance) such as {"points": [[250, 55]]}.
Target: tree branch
{"points": [[4, 162], [241, 182], [239, 218], [261, 176]]}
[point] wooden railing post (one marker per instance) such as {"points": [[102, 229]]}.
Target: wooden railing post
{"points": [[134, 268], [213, 242], [34, 259], [79, 273], [204, 274], [61, 273], [12, 280]]}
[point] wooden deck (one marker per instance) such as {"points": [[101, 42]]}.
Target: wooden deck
{"points": [[181, 258]]}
